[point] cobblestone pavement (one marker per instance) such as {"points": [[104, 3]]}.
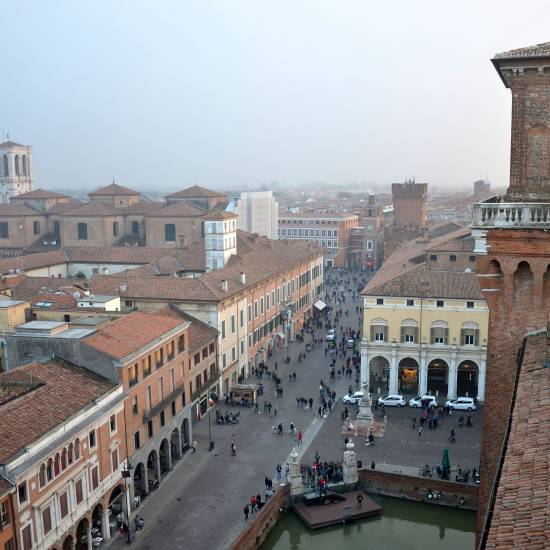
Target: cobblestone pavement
{"points": [[200, 503]]}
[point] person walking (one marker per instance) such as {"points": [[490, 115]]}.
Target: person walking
{"points": [[299, 437], [195, 445], [246, 511], [279, 469], [420, 431]]}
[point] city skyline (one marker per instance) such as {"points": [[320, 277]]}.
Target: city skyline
{"points": [[227, 96]]}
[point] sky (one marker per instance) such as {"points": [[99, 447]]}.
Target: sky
{"points": [[163, 95]]}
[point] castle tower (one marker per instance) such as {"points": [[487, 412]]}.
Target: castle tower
{"points": [[409, 203], [15, 170], [513, 248]]}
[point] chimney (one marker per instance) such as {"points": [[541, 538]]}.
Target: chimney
{"points": [[122, 287], [86, 292], [224, 285], [243, 278]]}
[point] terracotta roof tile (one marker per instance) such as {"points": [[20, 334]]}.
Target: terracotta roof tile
{"points": [[184, 209], [131, 332], [18, 210], [113, 189], [39, 194], [195, 191], [57, 393], [6, 486], [94, 209]]}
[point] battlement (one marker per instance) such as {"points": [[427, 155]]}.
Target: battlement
{"points": [[409, 189]]}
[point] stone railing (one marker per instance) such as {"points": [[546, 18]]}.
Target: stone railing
{"points": [[495, 214]]}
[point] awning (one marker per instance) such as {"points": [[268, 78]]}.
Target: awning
{"points": [[320, 305]]}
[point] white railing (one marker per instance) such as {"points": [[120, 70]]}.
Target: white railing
{"points": [[496, 214]]}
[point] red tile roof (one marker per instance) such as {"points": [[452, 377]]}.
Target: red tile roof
{"points": [[521, 510], [113, 189], [29, 412], [184, 209], [131, 332], [195, 192], [39, 194]]}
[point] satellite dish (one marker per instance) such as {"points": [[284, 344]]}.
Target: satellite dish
{"points": [[76, 295]]}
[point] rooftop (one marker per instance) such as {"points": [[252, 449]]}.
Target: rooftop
{"points": [[314, 215], [537, 50], [38, 194], [11, 144], [112, 190], [36, 398], [133, 331], [184, 209], [520, 511], [195, 192]]}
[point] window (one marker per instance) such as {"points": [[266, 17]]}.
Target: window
{"points": [[114, 460], [433, 257], [249, 313], [4, 514], [470, 305], [379, 301], [162, 418], [452, 258], [128, 303], [196, 359], [115, 229], [77, 449], [173, 408], [36, 228], [409, 331], [82, 231], [46, 520], [261, 305], [233, 353], [410, 303], [6, 166], [469, 334], [135, 228], [78, 491], [22, 492], [439, 333], [26, 536], [63, 505], [150, 428], [472, 258], [91, 439], [378, 333], [211, 348], [233, 324], [224, 360], [4, 230], [94, 481], [440, 303], [112, 424], [223, 330], [137, 440], [255, 310], [49, 470], [169, 232]]}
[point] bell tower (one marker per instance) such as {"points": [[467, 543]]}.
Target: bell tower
{"points": [[15, 170], [512, 244]]}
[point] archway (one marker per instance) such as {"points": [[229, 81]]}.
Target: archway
{"points": [[82, 534], [68, 543], [523, 284], [438, 377], [140, 483], [379, 374], [164, 457], [467, 379], [97, 521], [153, 470], [408, 376], [175, 445], [116, 509], [185, 435]]}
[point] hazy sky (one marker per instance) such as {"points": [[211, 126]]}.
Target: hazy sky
{"points": [[166, 94]]}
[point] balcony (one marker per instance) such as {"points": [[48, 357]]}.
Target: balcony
{"points": [[159, 364], [161, 405], [205, 386], [170, 356], [494, 213]]}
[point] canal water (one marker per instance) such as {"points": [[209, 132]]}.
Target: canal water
{"points": [[403, 525]]}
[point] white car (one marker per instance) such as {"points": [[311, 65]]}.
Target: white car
{"points": [[350, 343], [462, 404], [392, 400], [331, 335], [416, 402], [354, 398]]}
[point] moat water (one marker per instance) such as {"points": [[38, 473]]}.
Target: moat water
{"points": [[403, 525]]}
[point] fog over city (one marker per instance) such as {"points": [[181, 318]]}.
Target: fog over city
{"points": [[161, 96]]}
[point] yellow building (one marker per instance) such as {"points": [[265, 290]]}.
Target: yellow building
{"points": [[12, 313], [425, 332]]}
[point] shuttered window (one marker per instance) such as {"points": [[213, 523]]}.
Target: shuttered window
{"points": [[469, 337], [63, 505], [78, 491], [409, 334], [379, 333], [439, 335], [46, 520], [26, 535]]}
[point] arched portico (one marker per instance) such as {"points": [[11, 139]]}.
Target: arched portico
{"points": [[175, 445], [467, 379], [438, 377], [140, 481], [408, 373], [185, 443], [83, 535], [379, 374], [165, 457], [153, 469]]}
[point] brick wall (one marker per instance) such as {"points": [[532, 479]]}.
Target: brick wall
{"points": [[417, 488], [518, 296], [258, 529]]}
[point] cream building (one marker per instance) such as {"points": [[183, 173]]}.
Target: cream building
{"points": [[425, 332]]}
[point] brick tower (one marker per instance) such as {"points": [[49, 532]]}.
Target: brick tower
{"points": [[513, 248], [409, 203]]}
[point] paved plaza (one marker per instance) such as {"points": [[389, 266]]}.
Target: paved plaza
{"points": [[200, 503]]}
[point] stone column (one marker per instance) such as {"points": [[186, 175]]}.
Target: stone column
{"points": [[296, 485], [423, 372], [89, 538], [451, 387], [365, 367], [481, 379], [393, 371], [350, 464], [105, 527], [73, 543], [169, 456]]}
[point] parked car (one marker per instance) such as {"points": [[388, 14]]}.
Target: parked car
{"points": [[331, 335], [462, 404], [353, 398], [350, 343], [392, 400], [423, 400]]}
